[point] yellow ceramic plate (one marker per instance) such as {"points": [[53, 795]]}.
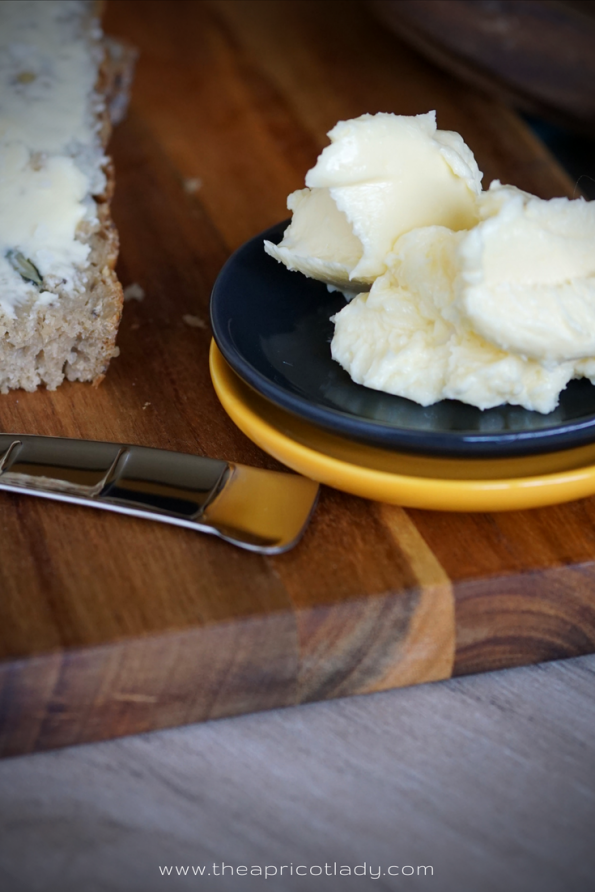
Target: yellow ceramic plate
{"points": [[444, 484]]}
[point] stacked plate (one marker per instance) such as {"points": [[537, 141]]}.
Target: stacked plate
{"points": [[273, 373]]}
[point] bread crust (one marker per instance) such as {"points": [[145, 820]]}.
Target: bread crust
{"points": [[74, 337]]}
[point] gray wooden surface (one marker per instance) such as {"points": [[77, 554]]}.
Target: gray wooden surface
{"points": [[489, 779]]}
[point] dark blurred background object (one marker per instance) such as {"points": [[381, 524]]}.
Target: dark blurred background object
{"points": [[537, 55], [574, 151]]}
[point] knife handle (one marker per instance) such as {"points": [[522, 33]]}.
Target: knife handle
{"points": [[264, 511]]}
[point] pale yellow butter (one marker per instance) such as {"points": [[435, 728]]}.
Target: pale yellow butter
{"points": [[382, 175], [485, 297], [529, 274], [503, 313], [51, 158]]}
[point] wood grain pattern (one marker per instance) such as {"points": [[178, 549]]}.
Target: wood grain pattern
{"points": [[489, 778], [111, 625]]}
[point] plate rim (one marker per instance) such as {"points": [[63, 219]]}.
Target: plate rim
{"points": [[429, 493], [463, 444]]}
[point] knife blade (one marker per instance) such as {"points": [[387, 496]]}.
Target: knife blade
{"points": [[253, 508]]}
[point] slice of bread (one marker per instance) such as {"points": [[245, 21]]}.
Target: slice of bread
{"points": [[60, 299]]}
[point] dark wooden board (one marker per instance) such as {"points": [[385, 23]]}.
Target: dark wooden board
{"points": [[111, 625]]}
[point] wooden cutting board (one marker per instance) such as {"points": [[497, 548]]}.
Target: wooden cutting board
{"points": [[111, 625]]}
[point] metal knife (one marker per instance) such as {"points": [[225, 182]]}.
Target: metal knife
{"points": [[263, 511]]}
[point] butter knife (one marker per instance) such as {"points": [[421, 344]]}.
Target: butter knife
{"points": [[260, 510]]}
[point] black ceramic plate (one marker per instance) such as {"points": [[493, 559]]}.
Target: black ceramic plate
{"points": [[273, 327]]}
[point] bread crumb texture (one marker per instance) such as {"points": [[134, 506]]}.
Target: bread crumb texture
{"points": [[60, 299]]}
